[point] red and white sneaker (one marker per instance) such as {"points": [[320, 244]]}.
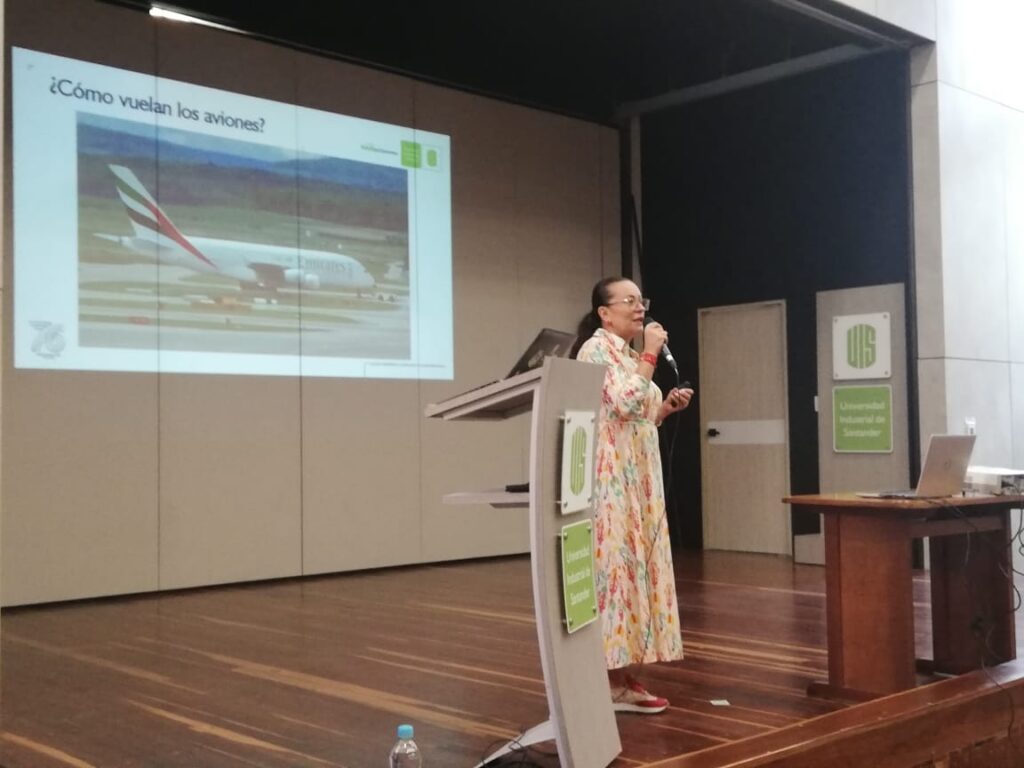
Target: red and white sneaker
{"points": [[635, 698]]}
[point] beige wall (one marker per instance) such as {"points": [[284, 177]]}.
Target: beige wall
{"points": [[119, 483]]}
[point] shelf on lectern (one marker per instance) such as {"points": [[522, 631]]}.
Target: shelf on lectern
{"points": [[491, 402], [497, 498]]}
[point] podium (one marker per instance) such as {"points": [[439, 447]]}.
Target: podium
{"points": [[581, 719]]}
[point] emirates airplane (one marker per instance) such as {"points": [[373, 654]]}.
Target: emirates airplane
{"points": [[254, 265]]}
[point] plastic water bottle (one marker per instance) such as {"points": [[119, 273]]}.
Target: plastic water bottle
{"points": [[405, 753]]}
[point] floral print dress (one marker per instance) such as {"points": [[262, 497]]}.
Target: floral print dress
{"points": [[636, 590]]}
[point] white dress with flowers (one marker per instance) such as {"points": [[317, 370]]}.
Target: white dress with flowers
{"points": [[636, 589]]}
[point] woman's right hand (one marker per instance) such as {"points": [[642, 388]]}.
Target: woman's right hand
{"points": [[655, 337]]}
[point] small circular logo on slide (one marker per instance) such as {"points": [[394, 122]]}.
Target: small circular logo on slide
{"points": [[49, 341], [578, 460]]}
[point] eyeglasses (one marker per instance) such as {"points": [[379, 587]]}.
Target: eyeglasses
{"points": [[631, 302]]}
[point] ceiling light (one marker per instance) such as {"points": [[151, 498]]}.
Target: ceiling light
{"points": [[165, 13]]}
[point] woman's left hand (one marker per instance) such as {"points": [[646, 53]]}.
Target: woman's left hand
{"points": [[676, 400]]}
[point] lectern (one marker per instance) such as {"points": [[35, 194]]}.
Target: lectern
{"points": [[581, 719], [869, 593]]}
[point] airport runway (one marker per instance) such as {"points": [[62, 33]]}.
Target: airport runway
{"points": [[125, 307]]}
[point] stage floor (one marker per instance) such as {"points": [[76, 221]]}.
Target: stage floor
{"points": [[319, 671]]}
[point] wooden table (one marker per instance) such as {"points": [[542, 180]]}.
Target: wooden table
{"points": [[869, 590]]}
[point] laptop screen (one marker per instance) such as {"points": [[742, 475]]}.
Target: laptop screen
{"points": [[945, 465], [548, 343]]}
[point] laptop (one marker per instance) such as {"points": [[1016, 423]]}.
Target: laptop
{"points": [[943, 471], [548, 343]]}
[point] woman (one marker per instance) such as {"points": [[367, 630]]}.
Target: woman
{"points": [[635, 582]]}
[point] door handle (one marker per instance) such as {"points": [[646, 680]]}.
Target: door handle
{"points": [[713, 432]]}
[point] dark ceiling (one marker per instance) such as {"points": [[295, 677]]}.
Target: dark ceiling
{"points": [[580, 57]]}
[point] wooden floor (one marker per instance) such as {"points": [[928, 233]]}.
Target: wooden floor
{"points": [[319, 671]]}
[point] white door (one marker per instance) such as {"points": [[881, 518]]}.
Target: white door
{"points": [[744, 423]]}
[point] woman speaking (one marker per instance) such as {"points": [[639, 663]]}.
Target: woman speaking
{"points": [[635, 582]]}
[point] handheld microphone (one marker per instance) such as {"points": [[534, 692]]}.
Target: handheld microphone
{"points": [[665, 351]]}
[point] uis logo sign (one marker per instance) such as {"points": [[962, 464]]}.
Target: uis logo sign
{"points": [[862, 346], [578, 460], [861, 341]]}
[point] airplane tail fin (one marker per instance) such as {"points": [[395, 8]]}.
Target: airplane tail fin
{"points": [[148, 220]]}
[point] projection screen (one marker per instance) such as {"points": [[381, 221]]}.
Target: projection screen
{"points": [[162, 226]]}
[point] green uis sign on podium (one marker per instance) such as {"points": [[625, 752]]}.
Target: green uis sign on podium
{"points": [[578, 588], [577, 461]]}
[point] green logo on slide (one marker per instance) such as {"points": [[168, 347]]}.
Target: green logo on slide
{"points": [[860, 346], [412, 154], [415, 155]]}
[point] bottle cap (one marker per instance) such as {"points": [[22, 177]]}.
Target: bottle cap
{"points": [[405, 731]]}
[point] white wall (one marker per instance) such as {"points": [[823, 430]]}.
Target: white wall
{"points": [[976, 67], [119, 483], [967, 112], [969, 103], [917, 16], [967, 108]]}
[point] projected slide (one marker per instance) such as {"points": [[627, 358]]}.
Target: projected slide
{"points": [[163, 226]]}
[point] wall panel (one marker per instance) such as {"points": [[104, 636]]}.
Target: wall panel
{"points": [[229, 479], [79, 498], [125, 482], [79, 485]]}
